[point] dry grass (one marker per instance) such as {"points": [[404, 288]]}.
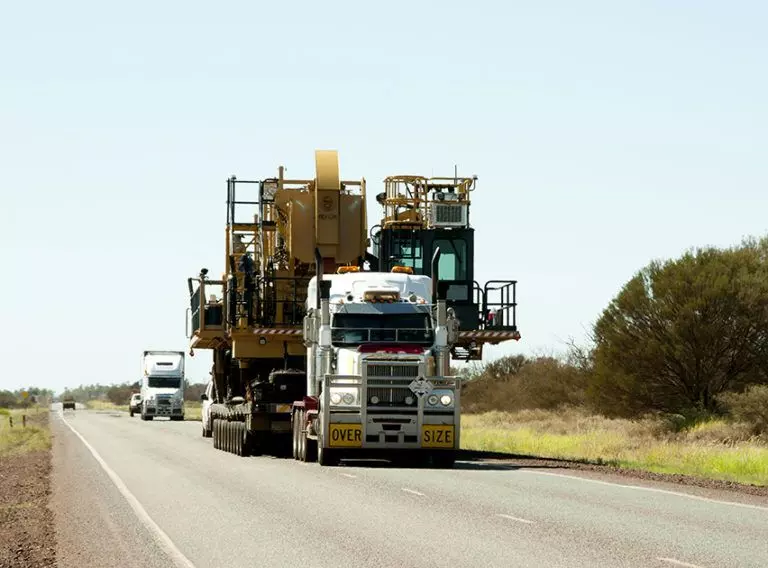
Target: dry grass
{"points": [[19, 439], [715, 449], [105, 405], [192, 409]]}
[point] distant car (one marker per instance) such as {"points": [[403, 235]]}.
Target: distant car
{"points": [[135, 404], [207, 398], [68, 402]]}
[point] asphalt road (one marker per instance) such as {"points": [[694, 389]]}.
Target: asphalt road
{"points": [[157, 493]]}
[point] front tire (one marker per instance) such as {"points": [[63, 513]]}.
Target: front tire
{"points": [[445, 459]]}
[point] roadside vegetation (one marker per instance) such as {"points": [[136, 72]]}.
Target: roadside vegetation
{"points": [[17, 438], [27, 537], [192, 409], [674, 379], [116, 397]]}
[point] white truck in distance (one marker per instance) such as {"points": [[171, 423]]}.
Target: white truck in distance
{"points": [[162, 385]]}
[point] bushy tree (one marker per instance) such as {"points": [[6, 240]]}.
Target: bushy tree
{"points": [[681, 332]]}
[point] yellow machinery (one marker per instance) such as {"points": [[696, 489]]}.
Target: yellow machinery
{"points": [[422, 214], [252, 317]]}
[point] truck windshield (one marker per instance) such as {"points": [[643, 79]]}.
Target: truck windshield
{"points": [[356, 329], [164, 382]]}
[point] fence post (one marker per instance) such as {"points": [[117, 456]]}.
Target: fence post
{"points": [[10, 421], [24, 420]]}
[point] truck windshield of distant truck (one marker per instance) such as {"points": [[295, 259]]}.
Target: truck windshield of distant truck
{"points": [[163, 382], [356, 329]]}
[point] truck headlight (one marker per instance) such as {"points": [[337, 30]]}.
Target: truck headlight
{"points": [[344, 396], [441, 397]]}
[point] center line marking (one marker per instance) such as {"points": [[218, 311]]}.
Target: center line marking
{"points": [[349, 475], [679, 563], [412, 491], [518, 519]]}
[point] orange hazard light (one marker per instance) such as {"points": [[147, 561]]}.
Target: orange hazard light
{"points": [[404, 269]]}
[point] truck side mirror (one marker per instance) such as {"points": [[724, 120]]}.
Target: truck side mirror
{"points": [[203, 396]]}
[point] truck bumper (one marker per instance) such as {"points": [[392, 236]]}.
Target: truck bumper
{"points": [[163, 410], [392, 432]]}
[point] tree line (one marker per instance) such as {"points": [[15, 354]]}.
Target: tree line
{"points": [[685, 336]]}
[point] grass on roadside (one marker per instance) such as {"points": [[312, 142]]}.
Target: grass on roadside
{"points": [[192, 409], [105, 405], [713, 450], [20, 439]]}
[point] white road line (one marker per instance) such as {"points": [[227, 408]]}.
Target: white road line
{"points": [[349, 475], [518, 519], [679, 563], [163, 539], [412, 491], [651, 489]]}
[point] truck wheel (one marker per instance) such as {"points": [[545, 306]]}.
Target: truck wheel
{"points": [[130, 411], [444, 459], [325, 456], [295, 421], [302, 438]]}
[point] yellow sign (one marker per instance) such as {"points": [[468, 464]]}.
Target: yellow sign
{"points": [[24, 394], [437, 436], [284, 408], [345, 435]]}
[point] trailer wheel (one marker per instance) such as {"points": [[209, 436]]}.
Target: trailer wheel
{"points": [[215, 429], [247, 441], [228, 436], [239, 438]]}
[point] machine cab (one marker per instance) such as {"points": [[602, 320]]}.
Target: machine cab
{"points": [[423, 214]]}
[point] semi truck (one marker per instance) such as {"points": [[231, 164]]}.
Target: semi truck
{"points": [[298, 277], [378, 376], [162, 385]]}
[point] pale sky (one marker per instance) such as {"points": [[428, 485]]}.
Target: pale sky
{"points": [[604, 135]]}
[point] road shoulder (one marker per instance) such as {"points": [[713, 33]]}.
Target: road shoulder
{"points": [[26, 521], [95, 525]]}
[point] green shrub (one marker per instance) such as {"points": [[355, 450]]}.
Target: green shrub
{"points": [[749, 407]]}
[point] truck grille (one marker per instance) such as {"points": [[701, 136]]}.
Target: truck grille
{"points": [[391, 396], [379, 370], [389, 383]]}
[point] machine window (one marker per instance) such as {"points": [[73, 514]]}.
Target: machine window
{"points": [[453, 259], [406, 251]]}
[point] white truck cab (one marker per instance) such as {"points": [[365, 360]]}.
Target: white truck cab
{"points": [[377, 353], [162, 385]]}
